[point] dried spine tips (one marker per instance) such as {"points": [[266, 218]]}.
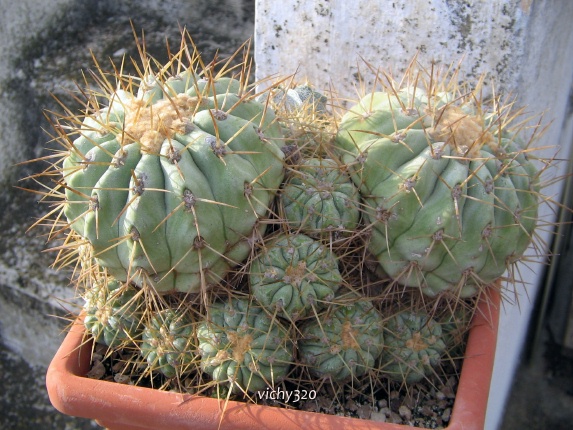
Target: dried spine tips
{"points": [[151, 124], [461, 131]]}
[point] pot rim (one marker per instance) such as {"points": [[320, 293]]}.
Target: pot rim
{"points": [[124, 406]]}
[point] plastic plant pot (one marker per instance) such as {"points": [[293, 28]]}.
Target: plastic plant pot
{"points": [[117, 406]]}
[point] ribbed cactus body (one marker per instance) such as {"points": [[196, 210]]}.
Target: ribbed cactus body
{"points": [[166, 182], [294, 274], [452, 197], [244, 347], [319, 199], [169, 343], [343, 344], [414, 346]]}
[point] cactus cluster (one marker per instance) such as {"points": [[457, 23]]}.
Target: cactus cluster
{"points": [[228, 234]]}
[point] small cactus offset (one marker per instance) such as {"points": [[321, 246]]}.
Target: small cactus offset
{"points": [[344, 343], [293, 275], [320, 199], [449, 189], [240, 345], [113, 312], [413, 348], [301, 97], [169, 343]]}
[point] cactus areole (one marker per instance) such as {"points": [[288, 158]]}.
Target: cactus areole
{"points": [[449, 191], [168, 182]]}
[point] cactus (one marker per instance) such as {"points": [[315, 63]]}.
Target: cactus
{"points": [[306, 123], [168, 180], [320, 199], [294, 274], [413, 346], [240, 344], [343, 344], [168, 342], [113, 312], [449, 189], [301, 97], [455, 322]]}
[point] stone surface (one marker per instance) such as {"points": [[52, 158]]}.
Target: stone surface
{"points": [[328, 42], [24, 407]]}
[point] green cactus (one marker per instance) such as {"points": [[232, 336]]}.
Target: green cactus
{"points": [[168, 182], [113, 312], [455, 324], [449, 190], [169, 344], [413, 347], [301, 97], [293, 274], [241, 345], [306, 123], [320, 199], [343, 344]]}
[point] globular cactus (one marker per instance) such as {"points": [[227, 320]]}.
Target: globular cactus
{"points": [[244, 347], [301, 97], [168, 179], [169, 344], [344, 343], [413, 347], [449, 189], [319, 199], [294, 274], [456, 322], [306, 123], [113, 312]]}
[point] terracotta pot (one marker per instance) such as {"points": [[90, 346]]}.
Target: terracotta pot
{"points": [[117, 406]]}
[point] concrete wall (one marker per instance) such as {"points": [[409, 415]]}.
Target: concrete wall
{"points": [[524, 45]]}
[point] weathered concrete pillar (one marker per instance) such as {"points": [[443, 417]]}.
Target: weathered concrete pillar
{"points": [[524, 46]]}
